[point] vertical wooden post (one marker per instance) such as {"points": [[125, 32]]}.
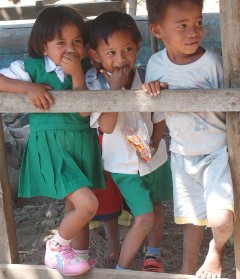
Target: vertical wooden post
{"points": [[8, 240], [230, 33]]}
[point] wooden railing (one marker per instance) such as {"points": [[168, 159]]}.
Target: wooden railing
{"points": [[227, 100], [74, 101]]}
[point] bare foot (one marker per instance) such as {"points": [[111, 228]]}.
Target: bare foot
{"points": [[165, 253], [112, 254], [212, 266], [110, 260]]}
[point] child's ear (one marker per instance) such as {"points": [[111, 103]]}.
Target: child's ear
{"points": [[45, 50], [139, 45], [155, 29], [94, 55]]}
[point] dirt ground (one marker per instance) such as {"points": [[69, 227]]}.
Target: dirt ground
{"points": [[34, 228]]}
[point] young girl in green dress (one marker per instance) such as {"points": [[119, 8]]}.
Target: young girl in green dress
{"points": [[58, 159]]}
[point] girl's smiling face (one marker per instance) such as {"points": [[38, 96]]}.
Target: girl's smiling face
{"points": [[181, 31], [120, 51], [69, 41]]}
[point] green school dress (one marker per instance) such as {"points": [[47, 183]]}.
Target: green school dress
{"points": [[62, 153]]}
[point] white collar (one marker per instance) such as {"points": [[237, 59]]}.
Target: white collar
{"points": [[50, 66]]}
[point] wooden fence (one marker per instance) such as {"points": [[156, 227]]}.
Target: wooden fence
{"points": [[87, 9], [227, 100], [170, 100]]}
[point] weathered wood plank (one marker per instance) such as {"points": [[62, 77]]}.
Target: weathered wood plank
{"points": [[87, 9], [127, 100], [14, 271], [230, 29], [8, 239]]}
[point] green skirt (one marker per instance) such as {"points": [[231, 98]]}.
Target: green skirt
{"points": [[58, 162]]}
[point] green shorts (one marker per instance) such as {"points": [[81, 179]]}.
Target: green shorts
{"points": [[141, 192]]}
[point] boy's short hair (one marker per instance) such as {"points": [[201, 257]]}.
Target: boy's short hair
{"points": [[103, 26], [49, 23], [157, 8]]}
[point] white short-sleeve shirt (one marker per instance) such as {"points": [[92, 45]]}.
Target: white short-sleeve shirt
{"points": [[193, 133], [117, 154]]}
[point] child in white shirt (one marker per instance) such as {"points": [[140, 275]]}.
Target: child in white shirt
{"points": [[201, 175], [114, 44]]}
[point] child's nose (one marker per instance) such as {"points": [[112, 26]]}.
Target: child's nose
{"points": [[70, 48], [192, 32], [121, 57]]}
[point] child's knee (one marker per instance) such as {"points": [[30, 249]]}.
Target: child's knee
{"points": [[145, 221], [92, 206], [222, 221], [88, 206]]}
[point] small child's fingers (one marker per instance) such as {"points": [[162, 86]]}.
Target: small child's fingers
{"points": [[163, 85], [147, 89], [105, 74], [37, 103], [44, 103], [155, 85], [49, 98], [126, 71], [157, 88]]}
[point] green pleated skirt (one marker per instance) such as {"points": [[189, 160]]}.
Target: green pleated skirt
{"points": [[58, 162]]}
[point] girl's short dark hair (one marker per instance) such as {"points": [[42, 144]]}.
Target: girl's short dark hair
{"points": [[157, 8], [49, 23], [103, 26]]}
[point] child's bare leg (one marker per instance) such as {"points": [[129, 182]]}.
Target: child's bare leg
{"points": [[81, 207], [222, 227], [134, 239], [192, 239], [152, 260], [154, 238], [81, 240], [124, 222], [155, 235], [113, 249]]}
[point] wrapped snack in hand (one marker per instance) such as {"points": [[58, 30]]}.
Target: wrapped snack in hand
{"points": [[138, 139]]}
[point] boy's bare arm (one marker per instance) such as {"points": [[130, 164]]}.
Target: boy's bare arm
{"points": [[37, 93], [107, 121], [158, 132]]}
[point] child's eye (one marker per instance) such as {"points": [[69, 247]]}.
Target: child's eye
{"points": [[199, 23], [127, 49], [78, 41], [182, 26], [61, 43], [111, 53]]}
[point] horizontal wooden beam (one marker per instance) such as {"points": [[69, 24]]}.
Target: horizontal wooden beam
{"points": [[126, 100], [86, 9], [19, 271]]}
